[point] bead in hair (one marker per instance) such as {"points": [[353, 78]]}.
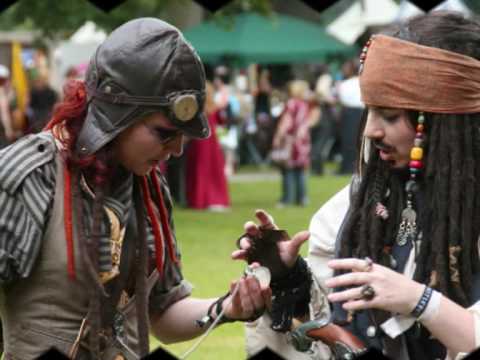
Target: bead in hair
{"points": [[381, 211], [408, 227], [363, 55]]}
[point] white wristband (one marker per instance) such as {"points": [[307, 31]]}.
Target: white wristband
{"points": [[432, 309]]}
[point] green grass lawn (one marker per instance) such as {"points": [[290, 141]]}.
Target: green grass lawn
{"points": [[207, 239]]}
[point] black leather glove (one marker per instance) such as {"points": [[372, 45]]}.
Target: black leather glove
{"points": [[290, 286]]}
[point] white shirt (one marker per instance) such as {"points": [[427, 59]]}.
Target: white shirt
{"points": [[348, 92]]}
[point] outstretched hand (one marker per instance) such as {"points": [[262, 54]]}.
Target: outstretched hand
{"points": [[287, 250]]}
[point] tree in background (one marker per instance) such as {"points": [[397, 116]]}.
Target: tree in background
{"points": [[60, 19], [473, 5]]}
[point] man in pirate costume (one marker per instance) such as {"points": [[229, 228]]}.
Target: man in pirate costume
{"points": [[406, 278], [88, 257]]}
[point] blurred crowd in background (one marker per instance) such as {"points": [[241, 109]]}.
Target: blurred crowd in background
{"points": [[289, 111], [273, 107], [268, 117], [26, 96], [262, 117]]}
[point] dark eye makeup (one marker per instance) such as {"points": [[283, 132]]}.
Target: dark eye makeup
{"points": [[165, 135]]}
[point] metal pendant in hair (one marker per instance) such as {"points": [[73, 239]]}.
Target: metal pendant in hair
{"points": [[408, 227], [407, 230]]}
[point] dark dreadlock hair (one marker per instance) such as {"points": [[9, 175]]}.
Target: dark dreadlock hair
{"points": [[449, 217]]}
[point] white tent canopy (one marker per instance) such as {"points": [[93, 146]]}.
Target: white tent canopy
{"points": [[358, 17], [407, 9], [364, 13], [76, 51], [456, 5], [88, 34]]}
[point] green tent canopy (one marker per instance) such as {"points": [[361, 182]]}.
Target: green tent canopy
{"points": [[252, 38]]}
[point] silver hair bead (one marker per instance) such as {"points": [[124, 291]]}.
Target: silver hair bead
{"points": [[371, 331]]}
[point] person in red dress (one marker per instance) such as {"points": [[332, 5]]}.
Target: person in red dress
{"points": [[206, 183]]}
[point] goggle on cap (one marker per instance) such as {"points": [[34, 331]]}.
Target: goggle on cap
{"points": [[144, 66]]}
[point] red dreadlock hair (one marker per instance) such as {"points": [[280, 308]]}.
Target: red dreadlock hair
{"points": [[67, 121]]}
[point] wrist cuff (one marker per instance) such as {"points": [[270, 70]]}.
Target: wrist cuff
{"points": [[422, 303], [432, 308]]}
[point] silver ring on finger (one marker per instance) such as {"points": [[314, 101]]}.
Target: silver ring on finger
{"points": [[368, 292], [368, 264]]}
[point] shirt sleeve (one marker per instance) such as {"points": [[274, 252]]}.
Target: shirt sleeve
{"points": [[171, 287], [324, 228], [27, 182]]}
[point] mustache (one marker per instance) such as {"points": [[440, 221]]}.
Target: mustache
{"points": [[381, 145]]}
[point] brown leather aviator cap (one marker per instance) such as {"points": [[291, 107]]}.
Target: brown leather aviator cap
{"points": [[144, 66]]}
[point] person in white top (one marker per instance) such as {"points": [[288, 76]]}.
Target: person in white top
{"points": [[406, 274]]}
